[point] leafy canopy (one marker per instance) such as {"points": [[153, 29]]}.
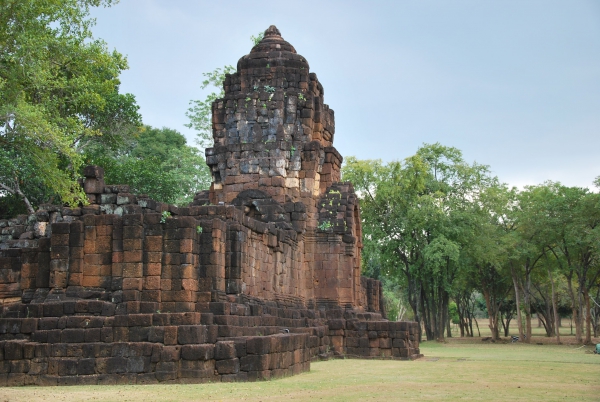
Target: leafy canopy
{"points": [[158, 163], [59, 90]]}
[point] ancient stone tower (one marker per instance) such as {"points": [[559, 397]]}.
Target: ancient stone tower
{"points": [[272, 130], [273, 157], [255, 278]]}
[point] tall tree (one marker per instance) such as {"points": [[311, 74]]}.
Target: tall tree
{"points": [[59, 88], [200, 111], [569, 219], [417, 217]]}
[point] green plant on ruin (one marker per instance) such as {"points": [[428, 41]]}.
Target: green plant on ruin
{"points": [[324, 226], [269, 89], [256, 39], [268, 65], [199, 229], [248, 99], [301, 96], [292, 150], [264, 105], [164, 216]]}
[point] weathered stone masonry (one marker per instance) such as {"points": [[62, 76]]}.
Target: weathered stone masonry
{"points": [[253, 280]]}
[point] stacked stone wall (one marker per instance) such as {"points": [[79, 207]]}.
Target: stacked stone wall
{"points": [[146, 262], [89, 342]]}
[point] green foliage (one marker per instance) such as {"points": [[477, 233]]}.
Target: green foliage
{"points": [[418, 221], [164, 216], [453, 311], [12, 205], [157, 163], [256, 39], [199, 229], [301, 96], [200, 113], [460, 244], [59, 90], [325, 226]]}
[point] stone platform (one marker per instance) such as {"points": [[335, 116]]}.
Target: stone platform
{"points": [[78, 342]]}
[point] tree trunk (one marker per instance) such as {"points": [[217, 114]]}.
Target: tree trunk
{"points": [[588, 319], [575, 320], [555, 309], [413, 299], [507, 327], [492, 316], [527, 299], [447, 315], [441, 317], [426, 315], [596, 314], [470, 327], [574, 310], [503, 324], [580, 315], [518, 302], [478, 331], [461, 315]]}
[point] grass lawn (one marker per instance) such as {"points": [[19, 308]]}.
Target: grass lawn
{"points": [[465, 369]]}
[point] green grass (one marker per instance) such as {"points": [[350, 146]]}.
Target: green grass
{"points": [[460, 369]]}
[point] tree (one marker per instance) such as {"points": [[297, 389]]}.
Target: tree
{"points": [[200, 113], [527, 251], [59, 89], [575, 222], [417, 218], [158, 163]]}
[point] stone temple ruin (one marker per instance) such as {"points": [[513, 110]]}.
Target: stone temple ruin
{"points": [[253, 280]]}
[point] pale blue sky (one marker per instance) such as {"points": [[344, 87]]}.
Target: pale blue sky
{"points": [[513, 84]]}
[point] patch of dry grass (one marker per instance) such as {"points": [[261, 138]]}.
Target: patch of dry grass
{"points": [[465, 369]]}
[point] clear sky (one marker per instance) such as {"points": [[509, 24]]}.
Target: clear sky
{"points": [[513, 84]]}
